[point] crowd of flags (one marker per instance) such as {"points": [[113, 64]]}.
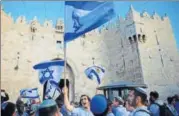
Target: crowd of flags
{"points": [[81, 17]]}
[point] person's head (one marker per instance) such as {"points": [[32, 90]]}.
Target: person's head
{"points": [[128, 106], [4, 96], [177, 97], [20, 106], [85, 101], [8, 109], [153, 96], [118, 101], [137, 97], [171, 100], [48, 108], [60, 101]]}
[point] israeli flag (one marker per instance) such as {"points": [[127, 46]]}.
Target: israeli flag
{"points": [[50, 70], [52, 90], [84, 16], [95, 73], [29, 93]]}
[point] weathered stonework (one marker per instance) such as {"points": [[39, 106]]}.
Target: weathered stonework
{"points": [[140, 48]]}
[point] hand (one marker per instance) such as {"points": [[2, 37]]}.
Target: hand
{"points": [[65, 90]]}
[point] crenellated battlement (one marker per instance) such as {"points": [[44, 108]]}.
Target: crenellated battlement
{"points": [[131, 16]]}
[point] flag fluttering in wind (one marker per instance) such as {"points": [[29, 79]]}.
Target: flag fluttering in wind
{"points": [[29, 93], [95, 73], [50, 70], [84, 16], [52, 90]]}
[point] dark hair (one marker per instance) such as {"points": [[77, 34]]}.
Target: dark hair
{"points": [[7, 109], [170, 99], [154, 94], [4, 98], [48, 111], [176, 97], [20, 106], [83, 96], [142, 96], [109, 103], [60, 100]]}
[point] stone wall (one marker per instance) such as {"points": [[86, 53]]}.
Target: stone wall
{"points": [[125, 59]]}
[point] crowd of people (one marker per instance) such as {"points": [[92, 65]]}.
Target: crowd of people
{"points": [[136, 104]]}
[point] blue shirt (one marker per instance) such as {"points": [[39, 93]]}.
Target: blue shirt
{"points": [[177, 106], [110, 114], [154, 109], [121, 111], [64, 111], [80, 111], [137, 111]]}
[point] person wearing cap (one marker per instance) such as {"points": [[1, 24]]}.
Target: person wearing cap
{"points": [[83, 110], [137, 98], [48, 108], [119, 109], [155, 103]]}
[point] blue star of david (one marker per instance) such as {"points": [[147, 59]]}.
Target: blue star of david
{"points": [[47, 74]]}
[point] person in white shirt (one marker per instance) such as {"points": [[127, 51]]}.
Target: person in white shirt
{"points": [[119, 109], [137, 98], [83, 110]]}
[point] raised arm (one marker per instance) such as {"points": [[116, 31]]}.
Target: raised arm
{"points": [[66, 100]]}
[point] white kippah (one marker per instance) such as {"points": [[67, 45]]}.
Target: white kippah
{"points": [[141, 90], [120, 99]]}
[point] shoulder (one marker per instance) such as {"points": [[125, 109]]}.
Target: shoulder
{"points": [[120, 108], [141, 113], [154, 106], [76, 110], [110, 114]]}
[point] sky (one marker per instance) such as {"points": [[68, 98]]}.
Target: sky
{"points": [[52, 10]]}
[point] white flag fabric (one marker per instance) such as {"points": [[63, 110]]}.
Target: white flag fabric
{"points": [[95, 73], [50, 70], [29, 93], [52, 90]]}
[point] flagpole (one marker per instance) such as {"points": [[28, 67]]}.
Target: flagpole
{"points": [[65, 59]]}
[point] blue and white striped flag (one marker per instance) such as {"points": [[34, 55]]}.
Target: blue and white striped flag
{"points": [[50, 70], [95, 73], [52, 90], [29, 93], [84, 16]]}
